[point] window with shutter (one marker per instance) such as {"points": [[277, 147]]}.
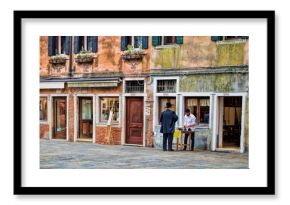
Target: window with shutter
{"points": [[156, 40], [134, 41], [221, 38]]}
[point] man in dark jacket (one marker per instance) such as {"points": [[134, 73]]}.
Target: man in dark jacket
{"points": [[167, 121]]}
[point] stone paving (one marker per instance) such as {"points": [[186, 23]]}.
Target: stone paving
{"points": [[56, 154]]}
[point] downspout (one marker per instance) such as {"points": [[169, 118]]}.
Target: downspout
{"points": [[70, 58]]}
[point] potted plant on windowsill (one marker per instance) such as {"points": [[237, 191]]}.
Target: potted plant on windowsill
{"points": [[58, 59], [84, 57], [133, 53]]}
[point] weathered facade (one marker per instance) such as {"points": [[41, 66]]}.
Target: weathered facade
{"points": [[207, 74]]}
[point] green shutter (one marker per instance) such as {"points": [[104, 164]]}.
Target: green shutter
{"points": [[156, 40], [216, 38], [179, 39], [244, 37]]}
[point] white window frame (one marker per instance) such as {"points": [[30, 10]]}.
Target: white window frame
{"points": [[196, 95], [45, 122], [157, 95], [100, 123], [133, 42], [177, 85]]}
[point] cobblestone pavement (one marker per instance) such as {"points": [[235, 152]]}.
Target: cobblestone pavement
{"points": [[58, 154]]}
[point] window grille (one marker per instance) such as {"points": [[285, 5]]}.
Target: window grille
{"points": [[136, 86], [166, 86]]}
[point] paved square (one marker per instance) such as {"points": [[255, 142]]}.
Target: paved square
{"points": [[56, 154]]}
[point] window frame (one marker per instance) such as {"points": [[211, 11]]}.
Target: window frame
{"points": [[158, 80], [134, 81], [159, 104], [47, 114], [100, 109], [173, 41], [186, 98]]}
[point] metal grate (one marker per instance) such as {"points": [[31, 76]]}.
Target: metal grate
{"points": [[166, 86], [136, 86]]}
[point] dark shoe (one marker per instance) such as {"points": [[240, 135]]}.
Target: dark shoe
{"points": [[170, 150], [192, 149], [184, 148], [164, 149]]}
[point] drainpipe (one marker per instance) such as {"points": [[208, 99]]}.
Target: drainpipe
{"points": [[70, 58]]}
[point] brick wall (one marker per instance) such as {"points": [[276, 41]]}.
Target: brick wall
{"points": [[44, 131], [101, 132]]}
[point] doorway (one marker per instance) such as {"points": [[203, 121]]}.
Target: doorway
{"points": [[85, 118], [59, 118], [229, 122], [134, 120]]}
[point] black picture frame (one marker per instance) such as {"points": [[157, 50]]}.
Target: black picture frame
{"points": [[19, 189]]}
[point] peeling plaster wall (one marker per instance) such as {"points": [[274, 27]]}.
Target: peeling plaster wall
{"points": [[227, 82], [199, 51]]}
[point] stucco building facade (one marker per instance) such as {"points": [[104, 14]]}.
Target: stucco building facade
{"points": [[207, 74]]}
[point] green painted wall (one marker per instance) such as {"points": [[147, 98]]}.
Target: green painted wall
{"points": [[237, 82], [230, 54]]}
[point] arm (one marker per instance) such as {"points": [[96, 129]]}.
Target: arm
{"points": [[175, 117], [192, 122], [161, 118]]}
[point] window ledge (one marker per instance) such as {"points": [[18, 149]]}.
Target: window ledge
{"points": [[104, 124], [43, 122], [236, 41], [168, 46], [202, 127]]}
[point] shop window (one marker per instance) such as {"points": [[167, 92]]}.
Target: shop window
{"points": [[108, 103], [166, 40], [43, 108], [134, 41], [58, 45], [87, 43], [199, 107], [166, 86], [134, 86], [162, 105]]}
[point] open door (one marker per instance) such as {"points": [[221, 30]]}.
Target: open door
{"points": [[85, 118], [59, 118], [229, 122]]}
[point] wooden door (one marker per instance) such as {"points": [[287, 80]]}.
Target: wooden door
{"points": [[59, 117], [134, 120], [85, 118]]}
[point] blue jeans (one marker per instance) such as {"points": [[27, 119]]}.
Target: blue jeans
{"points": [[167, 137], [192, 139]]}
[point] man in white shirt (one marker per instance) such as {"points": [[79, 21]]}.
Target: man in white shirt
{"points": [[189, 125]]}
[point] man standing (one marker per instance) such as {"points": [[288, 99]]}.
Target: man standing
{"points": [[189, 125], [167, 121]]}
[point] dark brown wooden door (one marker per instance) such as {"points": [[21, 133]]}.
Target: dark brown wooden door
{"points": [[59, 117], [134, 119], [85, 118]]}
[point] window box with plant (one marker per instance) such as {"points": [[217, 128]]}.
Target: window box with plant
{"points": [[84, 56], [133, 53], [58, 59]]}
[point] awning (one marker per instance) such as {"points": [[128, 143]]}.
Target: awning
{"points": [[92, 84], [51, 85]]}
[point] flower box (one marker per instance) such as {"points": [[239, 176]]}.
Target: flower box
{"points": [[129, 57], [84, 60], [85, 57], [57, 60]]}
